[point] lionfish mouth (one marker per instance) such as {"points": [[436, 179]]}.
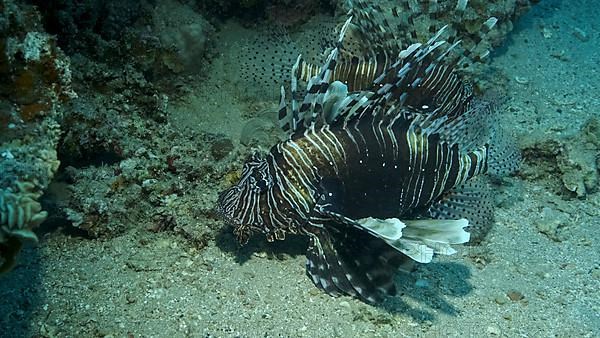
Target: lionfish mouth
{"points": [[242, 231], [242, 234], [226, 211], [225, 201]]}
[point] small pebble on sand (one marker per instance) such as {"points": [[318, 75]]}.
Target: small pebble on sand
{"points": [[500, 300], [515, 295], [580, 34]]}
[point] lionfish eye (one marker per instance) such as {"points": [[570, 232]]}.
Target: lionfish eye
{"points": [[262, 185], [259, 185]]}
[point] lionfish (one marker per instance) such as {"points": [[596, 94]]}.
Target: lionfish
{"points": [[376, 178]]}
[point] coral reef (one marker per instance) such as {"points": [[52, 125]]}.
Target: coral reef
{"points": [[184, 32], [569, 163], [129, 59], [125, 60], [37, 81], [158, 40], [158, 186]]}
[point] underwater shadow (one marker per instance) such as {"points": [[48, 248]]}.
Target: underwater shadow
{"points": [[292, 246], [21, 295], [443, 279]]}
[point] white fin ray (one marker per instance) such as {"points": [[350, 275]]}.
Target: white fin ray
{"points": [[419, 239]]}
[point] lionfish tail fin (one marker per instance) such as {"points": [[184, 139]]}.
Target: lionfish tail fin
{"points": [[472, 200], [504, 156]]}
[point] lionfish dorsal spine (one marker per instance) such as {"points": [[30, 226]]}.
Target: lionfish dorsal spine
{"points": [[485, 29], [294, 88], [312, 106]]}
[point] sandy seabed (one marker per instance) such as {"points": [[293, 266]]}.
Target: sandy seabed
{"points": [[520, 282]]}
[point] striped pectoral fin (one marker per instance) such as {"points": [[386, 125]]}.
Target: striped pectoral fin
{"points": [[324, 267], [345, 259], [472, 201]]}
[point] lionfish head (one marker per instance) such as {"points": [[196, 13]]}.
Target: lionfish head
{"points": [[242, 206]]}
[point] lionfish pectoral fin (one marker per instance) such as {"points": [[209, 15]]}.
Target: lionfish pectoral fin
{"points": [[428, 236], [345, 259], [387, 229], [443, 231], [418, 239], [324, 267], [471, 200], [390, 231]]}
